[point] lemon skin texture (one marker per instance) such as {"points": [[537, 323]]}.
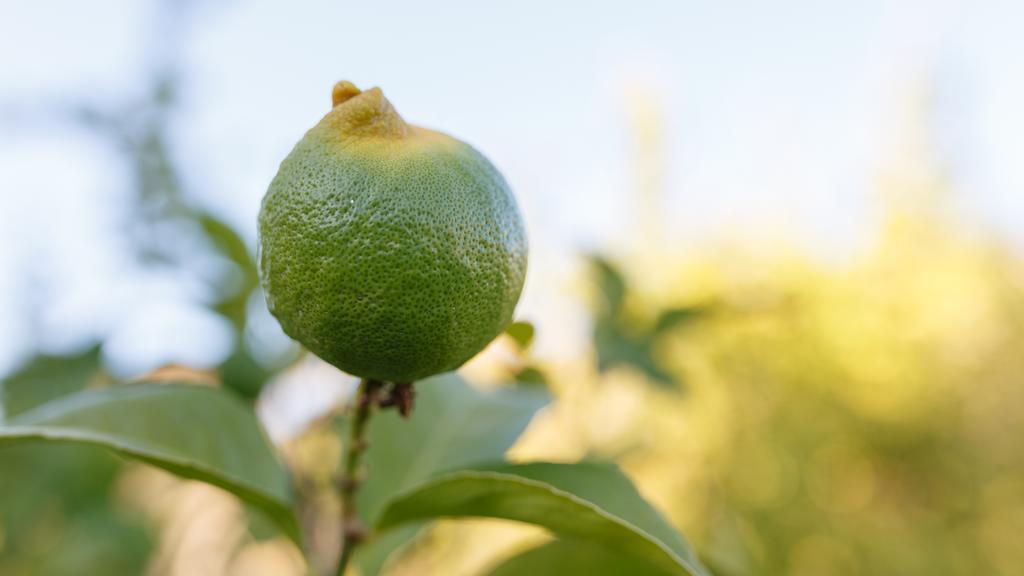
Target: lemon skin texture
{"points": [[390, 251]]}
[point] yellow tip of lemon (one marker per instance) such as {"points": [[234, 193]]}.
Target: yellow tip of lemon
{"points": [[343, 91], [359, 113]]}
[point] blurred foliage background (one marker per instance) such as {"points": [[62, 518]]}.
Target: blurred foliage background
{"points": [[792, 415]]}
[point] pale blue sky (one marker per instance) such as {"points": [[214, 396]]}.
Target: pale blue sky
{"points": [[776, 114]]}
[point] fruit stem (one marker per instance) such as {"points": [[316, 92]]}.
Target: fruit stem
{"points": [[401, 396], [352, 530]]}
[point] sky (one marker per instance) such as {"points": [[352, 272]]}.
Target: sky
{"points": [[774, 118]]}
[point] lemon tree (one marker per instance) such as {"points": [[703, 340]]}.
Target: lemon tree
{"points": [[395, 253]]}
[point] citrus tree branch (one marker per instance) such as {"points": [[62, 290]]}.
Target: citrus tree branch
{"points": [[352, 529]]}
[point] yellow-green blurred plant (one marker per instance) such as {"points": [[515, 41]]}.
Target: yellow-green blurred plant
{"points": [[843, 420]]}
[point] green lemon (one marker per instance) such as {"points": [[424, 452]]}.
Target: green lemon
{"points": [[391, 251]]}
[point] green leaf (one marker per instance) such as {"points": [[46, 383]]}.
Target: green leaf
{"points": [[532, 376], [45, 378], [242, 373], [195, 432], [226, 241], [611, 284], [587, 501], [561, 557], [522, 333], [59, 515], [230, 244], [373, 556], [616, 346], [677, 317], [453, 424]]}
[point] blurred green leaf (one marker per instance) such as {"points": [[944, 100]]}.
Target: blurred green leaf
{"points": [[616, 346], [531, 375], [611, 284], [586, 501], [230, 245], [454, 424], [373, 556], [242, 373], [620, 340], [193, 431], [261, 526], [522, 333], [59, 517], [45, 378], [677, 317], [97, 541], [561, 557]]}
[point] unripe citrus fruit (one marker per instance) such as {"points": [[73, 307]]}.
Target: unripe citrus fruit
{"points": [[391, 251]]}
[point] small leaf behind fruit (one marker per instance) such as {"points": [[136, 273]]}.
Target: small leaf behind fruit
{"points": [[226, 241], [522, 333], [195, 432]]}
